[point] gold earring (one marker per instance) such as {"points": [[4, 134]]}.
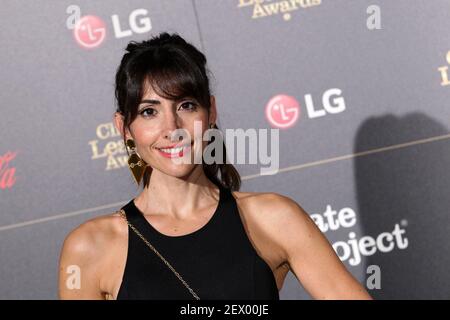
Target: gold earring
{"points": [[135, 163]]}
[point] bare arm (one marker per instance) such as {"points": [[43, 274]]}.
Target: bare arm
{"points": [[78, 265], [311, 257]]}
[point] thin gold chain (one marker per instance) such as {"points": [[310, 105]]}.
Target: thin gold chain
{"points": [[122, 213]]}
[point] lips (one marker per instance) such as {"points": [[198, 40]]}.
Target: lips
{"points": [[174, 151]]}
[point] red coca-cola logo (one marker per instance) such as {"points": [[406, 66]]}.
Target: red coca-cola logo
{"points": [[7, 173]]}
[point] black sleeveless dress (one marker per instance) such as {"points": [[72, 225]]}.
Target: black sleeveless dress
{"points": [[217, 261]]}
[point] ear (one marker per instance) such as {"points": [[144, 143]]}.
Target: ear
{"points": [[212, 110], [119, 123]]}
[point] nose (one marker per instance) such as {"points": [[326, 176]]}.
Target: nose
{"points": [[172, 122]]}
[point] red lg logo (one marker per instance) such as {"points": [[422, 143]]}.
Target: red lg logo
{"points": [[7, 178], [282, 111], [89, 32]]}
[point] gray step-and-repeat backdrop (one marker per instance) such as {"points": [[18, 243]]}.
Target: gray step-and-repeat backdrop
{"points": [[358, 89]]}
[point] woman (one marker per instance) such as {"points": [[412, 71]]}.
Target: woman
{"points": [[190, 234]]}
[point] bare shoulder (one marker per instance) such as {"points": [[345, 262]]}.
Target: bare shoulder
{"points": [[306, 250], [90, 244], [275, 215], [270, 205], [91, 248], [262, 196]]}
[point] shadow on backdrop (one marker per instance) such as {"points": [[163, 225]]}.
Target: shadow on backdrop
{"points": [[411, 184]]}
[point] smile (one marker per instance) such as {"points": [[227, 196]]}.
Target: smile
{"points": [[174, 152]]}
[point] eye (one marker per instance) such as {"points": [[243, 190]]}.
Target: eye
{"points": [[188, 106], [147, 112]]}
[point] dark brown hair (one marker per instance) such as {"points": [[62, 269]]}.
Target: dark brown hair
{"points": [[175, 69]]}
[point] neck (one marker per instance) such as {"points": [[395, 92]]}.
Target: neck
{"points": [[178, 197]]}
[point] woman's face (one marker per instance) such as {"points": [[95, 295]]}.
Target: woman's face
{"points": [[151, 131]]}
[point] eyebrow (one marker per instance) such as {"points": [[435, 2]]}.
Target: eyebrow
{"points": [[157, 102], [151, 101]]}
